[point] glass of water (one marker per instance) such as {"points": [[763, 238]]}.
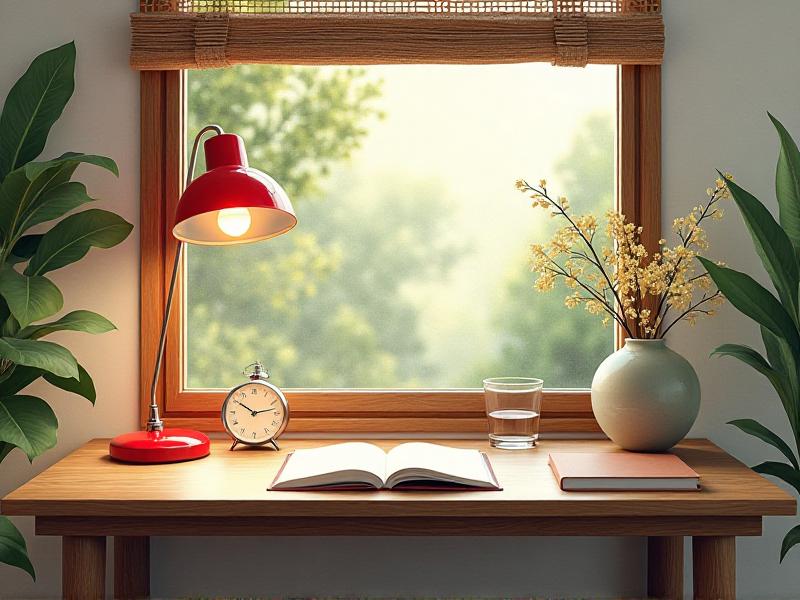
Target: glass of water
{"points": [[513, 405]]}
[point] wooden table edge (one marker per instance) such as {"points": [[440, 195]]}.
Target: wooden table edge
{"points": [[400, 526], [331, 507]]}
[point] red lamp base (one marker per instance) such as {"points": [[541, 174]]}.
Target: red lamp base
{"points": [[167, 446]]}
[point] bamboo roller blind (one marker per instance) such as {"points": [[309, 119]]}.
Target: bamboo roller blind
{"points": [[197, 34]]}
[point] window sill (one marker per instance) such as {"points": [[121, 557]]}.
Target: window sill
{"points": [[366, 411]]}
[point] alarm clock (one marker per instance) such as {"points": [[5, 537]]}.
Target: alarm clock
{"points": [[256, 412]]}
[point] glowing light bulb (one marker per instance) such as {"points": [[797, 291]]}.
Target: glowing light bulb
{"points": [[234, 221]]}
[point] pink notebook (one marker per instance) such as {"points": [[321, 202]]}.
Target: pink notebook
{"points": [[624, 471]]}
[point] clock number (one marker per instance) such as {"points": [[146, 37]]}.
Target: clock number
{"points": [[236, 422], [254, 435], [253, 391], [277, 413], [241, 431], [274, 422]]}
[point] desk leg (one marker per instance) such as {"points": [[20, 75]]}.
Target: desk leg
{"points": [[665, 567], [83, 567], [714, 559], [131, 567]]}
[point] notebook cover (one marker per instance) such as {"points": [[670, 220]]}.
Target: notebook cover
{"points": [[618, 465]]}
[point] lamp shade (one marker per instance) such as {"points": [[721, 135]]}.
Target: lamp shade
{"points": [[231, 203]]}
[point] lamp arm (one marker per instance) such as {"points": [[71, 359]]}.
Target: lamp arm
{"points": [[154, 422], [195, 147]]}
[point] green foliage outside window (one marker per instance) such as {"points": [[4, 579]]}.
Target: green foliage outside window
{"points": [[328, 305]]}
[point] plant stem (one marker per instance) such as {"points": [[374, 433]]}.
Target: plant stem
{"points": [[543, 193], [685, 242], [692, 309], [595, 293]]}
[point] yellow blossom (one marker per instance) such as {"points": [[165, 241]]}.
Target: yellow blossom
{"points": [[620, 278]]}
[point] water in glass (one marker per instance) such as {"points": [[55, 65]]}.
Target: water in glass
{"points": [[513, 406]]}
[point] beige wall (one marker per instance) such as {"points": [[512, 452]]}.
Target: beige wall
{"points": [[726, 64]]}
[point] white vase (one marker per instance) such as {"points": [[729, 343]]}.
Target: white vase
{"points": [[645, 397]]}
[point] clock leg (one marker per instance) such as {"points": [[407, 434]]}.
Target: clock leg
{"points": [[233, 445], [275, 444]]}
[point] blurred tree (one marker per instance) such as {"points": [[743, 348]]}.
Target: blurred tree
{"points": [[328, 305], [566, 351], [297, 121], [322, 306]]}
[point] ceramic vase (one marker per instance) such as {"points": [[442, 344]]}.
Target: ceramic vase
{"points": [[645, 396]]}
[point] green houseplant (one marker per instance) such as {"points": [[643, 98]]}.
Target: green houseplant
{"points": [[777, 244], [32, 196]]}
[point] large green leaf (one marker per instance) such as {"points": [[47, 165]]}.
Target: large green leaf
{"points": [[756, 429], [48, 356], [782, 471], [18, 193], [791, 539], [82, 386], [787, 184], [10, 327], [24, 191], [85, 321], [777, 377], [783, 360], [5, 448], [772, 245], [33, 104], [24, 248], [13, 550], [22, 377], [70, 160], [71, 239], [54, 203], [753, 300], [29, 298], [29, 423]]}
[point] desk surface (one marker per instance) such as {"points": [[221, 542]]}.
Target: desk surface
{"points": [[88, 483]]}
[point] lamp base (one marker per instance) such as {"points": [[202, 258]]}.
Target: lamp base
{"points": [[166, 446]]}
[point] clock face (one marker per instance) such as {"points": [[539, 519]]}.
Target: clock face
{"points": [[254, 413]]}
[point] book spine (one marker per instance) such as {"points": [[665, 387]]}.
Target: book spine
{"points": [[554, 469], [278, 475]]}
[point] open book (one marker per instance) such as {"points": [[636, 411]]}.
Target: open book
{"points": [[414, 465]]}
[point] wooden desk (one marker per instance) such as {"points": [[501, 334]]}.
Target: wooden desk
{"points": [[86, 497]]}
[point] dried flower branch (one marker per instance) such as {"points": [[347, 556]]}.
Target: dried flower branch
{"points": [[615, 281]]}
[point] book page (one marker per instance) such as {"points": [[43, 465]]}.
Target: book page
{"points": [[454, 463], [314, 466]]}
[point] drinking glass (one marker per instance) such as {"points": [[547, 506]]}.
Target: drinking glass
{"points": [[513, 405]]}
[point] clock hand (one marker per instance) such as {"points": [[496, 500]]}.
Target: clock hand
{"points": [[269, 408], [246, 407]]}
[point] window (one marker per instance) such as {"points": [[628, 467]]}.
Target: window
{"points": [[421, 300], [408, 268]]}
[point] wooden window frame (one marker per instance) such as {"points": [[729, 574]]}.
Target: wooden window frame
{"points": [[163, 139]]}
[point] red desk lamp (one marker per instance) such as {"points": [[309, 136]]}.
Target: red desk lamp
{"points": [[229, 204]]}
